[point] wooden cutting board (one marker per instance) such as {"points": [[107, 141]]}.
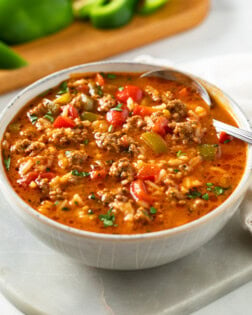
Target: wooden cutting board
{"points": [[81, 43]]}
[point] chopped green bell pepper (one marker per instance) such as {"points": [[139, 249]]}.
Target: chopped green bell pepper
{"points": [[150, 6], [208, 151], [90, 116], [82, 8], [112, 14], [25, 20], [155, 142], [9, 59]]}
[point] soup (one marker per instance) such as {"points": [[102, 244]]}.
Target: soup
{"points": [[115, 153]]}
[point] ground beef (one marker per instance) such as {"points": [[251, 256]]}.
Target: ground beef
{"points": [[153, 93], [177, 109], [65, 136], [34, 148], [42, 124], [107, 196], [76, 158], [123, 170], [20, 146], [158, 96], [39, 110], [43, 184], [116, 142], [105, 103], [134, 122], [187, 131]]}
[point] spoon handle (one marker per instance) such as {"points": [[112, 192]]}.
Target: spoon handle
{"points": [[242, 134]]}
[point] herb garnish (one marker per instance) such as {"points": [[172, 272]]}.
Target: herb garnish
{"points": [[7, 163], [68, 153], [205, 196], [180, 153], [194, 193], [63, 88], [90, 211], [49, 116], [108, 219], [117, 108], [33, 118], [110, 128], [218, 190], [99, 90], [80, 174], [227, 141], [153, 210], [176, 170], [65, 209], [111, 76], [92, 196], [121, 88], [86, 141]]}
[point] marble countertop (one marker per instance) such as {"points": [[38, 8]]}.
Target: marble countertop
{"points": [[226, 30]]}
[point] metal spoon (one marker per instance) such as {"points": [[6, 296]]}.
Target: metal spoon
{"points": [[185, 79]]}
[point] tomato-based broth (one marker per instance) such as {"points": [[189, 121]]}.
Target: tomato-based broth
{"points": [[115, 153]]}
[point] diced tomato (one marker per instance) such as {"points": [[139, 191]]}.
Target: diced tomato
{"points": [[117, 118], [224, 137], [49, 175], [82, 88], [99, 79], [130, 91], [30, 177], [63, 122], [98, 174], [148, 172], [161, 126], [71, 111], [143, 110], [183, 92], [139, 192]]}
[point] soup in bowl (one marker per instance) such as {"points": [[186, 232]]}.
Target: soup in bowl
{"points": [[96, 156]]}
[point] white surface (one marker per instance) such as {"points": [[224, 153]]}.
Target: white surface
{"points": [[227, 29]]}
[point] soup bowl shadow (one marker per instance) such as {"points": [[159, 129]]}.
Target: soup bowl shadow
{"points": [[121, 252]]}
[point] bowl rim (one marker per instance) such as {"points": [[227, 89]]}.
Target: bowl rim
{"points": [[237, 193]]}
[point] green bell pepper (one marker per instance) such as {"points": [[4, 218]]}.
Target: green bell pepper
{"points": [[25, 20], [112, 14], [10, 59], [82, 8], [208, 151], [155, 142], [150, 6]]}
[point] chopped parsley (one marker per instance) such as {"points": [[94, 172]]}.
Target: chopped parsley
{"points": [[76, 202], [56, 202], [80, 174], [68, 153], [180, 153], [38, 162], [90, 211], [49, 116], [110, 128], [109, 162], [121, 88], [63, 88], [99, 90], [218, 190], [65, 209], [227, 141], [209, 184], [111, 76], [117, 108], [108, 219], [7, 163], [92, 196], [33, 118], [86, 141], [205, 196], [193, 194], [48, 169], [153, 210], [176, 170]]}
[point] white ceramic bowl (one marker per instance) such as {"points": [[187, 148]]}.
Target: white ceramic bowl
{"points": [[122, 252]]}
